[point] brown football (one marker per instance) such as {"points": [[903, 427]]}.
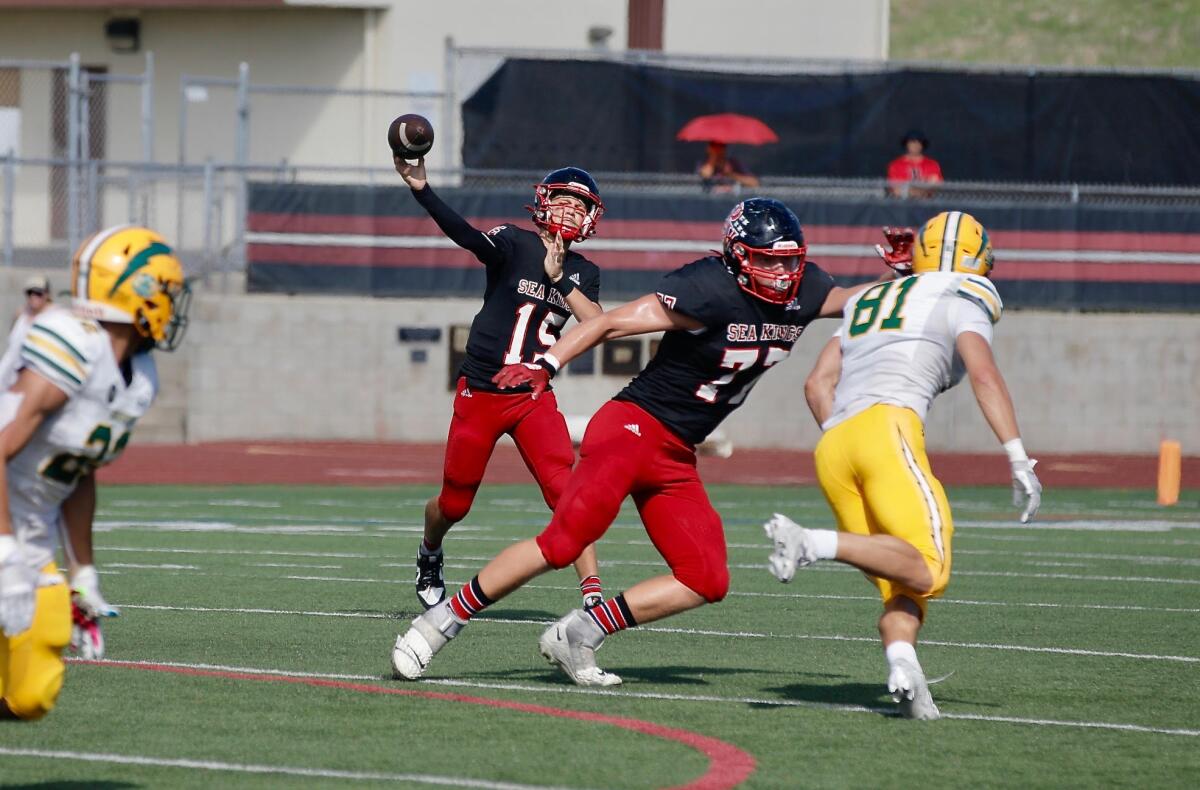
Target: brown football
{"points": [[410, 136]]}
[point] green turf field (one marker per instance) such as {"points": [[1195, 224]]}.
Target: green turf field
{"points": [[1074, 648]]}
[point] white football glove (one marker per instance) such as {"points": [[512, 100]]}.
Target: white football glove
{"points": [[18, 588], [85, 584], [87, 641], [1027, 489]]}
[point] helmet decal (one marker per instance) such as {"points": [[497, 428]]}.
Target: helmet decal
{"points": [[138, 261]]}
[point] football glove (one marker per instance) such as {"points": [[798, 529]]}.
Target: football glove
{"points": [[87, 641], [533, 374], [900, 256], [85, 585], [18, 588], [1027, 489]]}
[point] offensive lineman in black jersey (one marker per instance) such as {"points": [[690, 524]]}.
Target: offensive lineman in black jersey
{"points": [[534, 283], [727, 319]]}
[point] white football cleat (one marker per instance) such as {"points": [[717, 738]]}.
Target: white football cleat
{"points": [[794, 547], [416, 647], [571, 644], [907, 685]]}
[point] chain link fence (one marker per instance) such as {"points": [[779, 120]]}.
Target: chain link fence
{"points": [[77, 153]]}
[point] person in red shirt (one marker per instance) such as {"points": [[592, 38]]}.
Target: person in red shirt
{"points": [[913, 167]]}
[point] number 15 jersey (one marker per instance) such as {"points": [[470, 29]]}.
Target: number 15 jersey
{"points": [[898, 340], [90, 430]]}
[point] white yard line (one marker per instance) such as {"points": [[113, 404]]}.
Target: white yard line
{"points": [[558, 688], [284, 770], [707, 632]]}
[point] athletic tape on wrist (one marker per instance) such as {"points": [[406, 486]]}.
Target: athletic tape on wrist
{"points": [[1016, 450], [550, 363]]}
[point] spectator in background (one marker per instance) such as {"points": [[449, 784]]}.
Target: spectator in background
{"points": [[723, 173], [913, 168], [37, 299]]}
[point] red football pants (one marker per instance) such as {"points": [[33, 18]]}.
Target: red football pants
{"points": [[480, 419], [628, 452]]}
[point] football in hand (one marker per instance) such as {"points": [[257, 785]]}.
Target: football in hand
{"points": [[410, 136]]}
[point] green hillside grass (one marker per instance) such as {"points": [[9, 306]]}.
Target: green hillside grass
{"points": [[1145, 33]]}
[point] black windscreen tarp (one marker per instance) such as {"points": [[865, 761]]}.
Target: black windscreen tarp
{"points": [[1052, 127]]}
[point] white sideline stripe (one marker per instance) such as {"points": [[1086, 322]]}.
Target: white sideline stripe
{"points": [[1101, 725], [115, 521], [1144, 559], [687, 245], [1085, 525], [699, 632], [153, 567], [562, 689], [838, 568], [293, 565], [243, 768]]}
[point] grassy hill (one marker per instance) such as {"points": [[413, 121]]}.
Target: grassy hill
{"points": [[1143, 33]]}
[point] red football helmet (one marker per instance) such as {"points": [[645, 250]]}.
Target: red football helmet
{"points": [[765, 243], [571, 181]]}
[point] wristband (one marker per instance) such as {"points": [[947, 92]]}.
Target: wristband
{"points": [[563, 285], [550, 363], [1015, 450]]}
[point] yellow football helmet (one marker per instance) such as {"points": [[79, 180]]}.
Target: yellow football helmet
{"points": [[953, 241], [127, 274]]}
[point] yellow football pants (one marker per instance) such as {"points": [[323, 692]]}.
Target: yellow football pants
{"points": [[876, 477], [31, 666]]}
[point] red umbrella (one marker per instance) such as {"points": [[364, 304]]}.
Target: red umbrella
{"points": [[727, 127]]}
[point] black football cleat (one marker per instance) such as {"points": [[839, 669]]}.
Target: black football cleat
{"points": [[431, 585]]}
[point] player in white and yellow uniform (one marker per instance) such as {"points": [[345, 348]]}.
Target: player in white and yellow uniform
{"points": [[79, 389], [901, 343]]}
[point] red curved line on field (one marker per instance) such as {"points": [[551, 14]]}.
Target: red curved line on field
{"points": [[728, 766]]}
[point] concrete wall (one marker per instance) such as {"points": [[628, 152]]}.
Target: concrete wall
{"points": [[332, 368]]}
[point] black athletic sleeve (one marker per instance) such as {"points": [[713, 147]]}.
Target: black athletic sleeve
{"points": [[591, 284], [814, 288], [483, 246], [695, 291]]}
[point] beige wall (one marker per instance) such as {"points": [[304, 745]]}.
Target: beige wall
{"points": [[847, 29]]}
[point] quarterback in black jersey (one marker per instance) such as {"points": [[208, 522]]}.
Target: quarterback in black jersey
{"points": [[727, 319], [535, 282]]}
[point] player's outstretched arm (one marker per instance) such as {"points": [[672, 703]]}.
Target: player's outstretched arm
{"points": [[996, 404], [643, 315], [822, 381], [457, 229]]}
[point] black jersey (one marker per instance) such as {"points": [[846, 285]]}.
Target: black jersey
{"points": [[699, 377], [522, 313]]}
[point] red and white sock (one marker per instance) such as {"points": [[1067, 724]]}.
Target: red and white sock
{"points": [[470, 601], [612, 615]]}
